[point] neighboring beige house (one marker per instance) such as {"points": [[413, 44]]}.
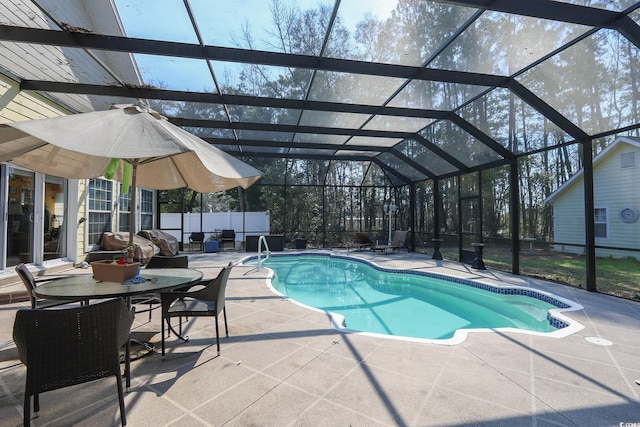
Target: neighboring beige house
{"points": [[616, 176]]}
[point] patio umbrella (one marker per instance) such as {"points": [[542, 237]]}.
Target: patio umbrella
{"points": [[162, 156]]}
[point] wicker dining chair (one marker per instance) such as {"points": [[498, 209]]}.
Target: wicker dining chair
{"points": [[206, 299], [152, 300], [177, 261], [70, 346], [30, 284], [196, 238], [227, 237]]}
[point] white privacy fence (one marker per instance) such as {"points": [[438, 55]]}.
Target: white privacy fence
{"points": [[243, 223]]}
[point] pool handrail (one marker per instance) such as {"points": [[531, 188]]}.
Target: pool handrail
{"points": [[263, 239]]}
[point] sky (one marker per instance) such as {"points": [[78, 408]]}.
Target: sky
{"points": [[220, 23]]}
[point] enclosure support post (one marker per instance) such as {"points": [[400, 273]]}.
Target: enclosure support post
{"points": [[589, 216], [324, 217], [201, 209], [480, 210], [182, 194], [437, 241], [459, 227], [514, 220], [283, 212], [412, 216], [436, 209]]}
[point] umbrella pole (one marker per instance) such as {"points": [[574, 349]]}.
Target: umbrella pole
{"points": [[132, 207]]}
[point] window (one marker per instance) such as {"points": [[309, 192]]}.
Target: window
{"points": [[145, 220], [628, 160], [146, 209], [124, 203], [600, 222], [100, 204]]}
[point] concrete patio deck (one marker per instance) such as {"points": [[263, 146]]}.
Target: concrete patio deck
{"points": [[283, 365]]}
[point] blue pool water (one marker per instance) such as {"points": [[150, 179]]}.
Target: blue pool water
{"points": [[372, 299]]}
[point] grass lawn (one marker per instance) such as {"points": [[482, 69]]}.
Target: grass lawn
{"points": [[619, 277]]}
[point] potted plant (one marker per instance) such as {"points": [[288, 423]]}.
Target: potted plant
{"points": [[213, 242]]}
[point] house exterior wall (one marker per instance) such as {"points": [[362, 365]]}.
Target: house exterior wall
{"points": [[568, 219], [19, 106], [16, 106], [73, 65], [614, 189]]}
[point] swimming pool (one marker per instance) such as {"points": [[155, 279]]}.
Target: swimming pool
{"points": [[366, 298]]}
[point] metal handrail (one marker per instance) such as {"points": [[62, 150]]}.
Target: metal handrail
{"points": [[263, 239]]}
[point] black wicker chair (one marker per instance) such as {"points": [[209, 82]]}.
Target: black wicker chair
{"points": [[30, 283], [202, 301], [178, 261], [196, 238], [65, 347], [227, 237], [153, 299]]}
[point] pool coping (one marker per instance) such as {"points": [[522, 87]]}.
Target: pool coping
{"points": [[564, 325]]}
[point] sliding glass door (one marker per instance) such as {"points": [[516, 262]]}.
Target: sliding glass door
{"points": [[20, 216]]}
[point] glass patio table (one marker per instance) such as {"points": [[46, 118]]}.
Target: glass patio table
{"points": [[85, 287]]}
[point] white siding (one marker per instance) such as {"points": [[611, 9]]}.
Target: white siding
{"points": [[568, 214], [17, 106], [614, 189]]}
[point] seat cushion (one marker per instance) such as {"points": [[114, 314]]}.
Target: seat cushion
{"points": [[192, 307]]}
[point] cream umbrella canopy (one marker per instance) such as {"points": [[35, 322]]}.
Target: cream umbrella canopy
{"points": [[162, 155]]}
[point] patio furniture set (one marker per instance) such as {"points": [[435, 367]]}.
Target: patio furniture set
{"points": [[225, 238], [71, 345]]}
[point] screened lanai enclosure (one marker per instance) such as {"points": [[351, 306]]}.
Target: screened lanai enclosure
{"points": [[466, 116]]}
